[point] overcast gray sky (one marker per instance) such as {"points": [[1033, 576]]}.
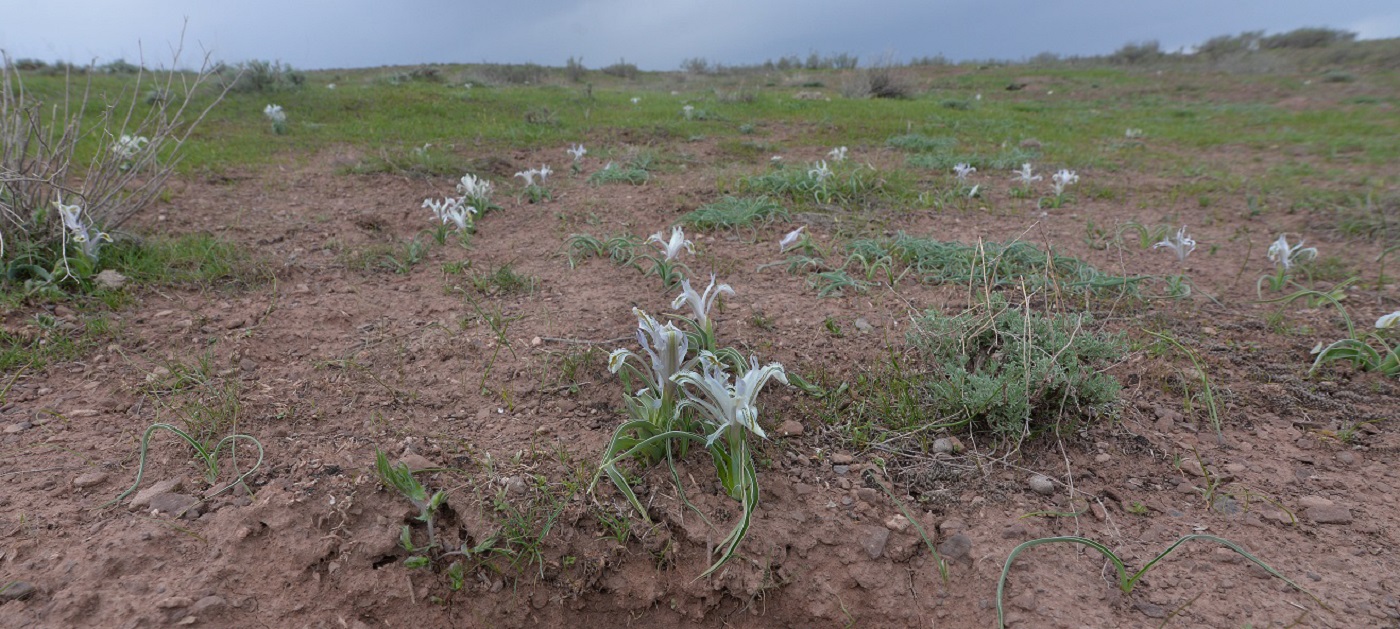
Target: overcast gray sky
{"points": [[654, 34]]}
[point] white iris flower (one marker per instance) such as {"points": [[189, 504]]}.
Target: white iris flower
{"points": [[672, 248]]}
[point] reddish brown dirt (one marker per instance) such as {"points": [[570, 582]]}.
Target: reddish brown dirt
{"points": [[333, 362]]}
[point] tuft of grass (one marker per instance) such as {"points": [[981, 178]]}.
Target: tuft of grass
{"points": [[621, 249], [983, 265], [848, 185], [636, 172], [920, 143], [731, 212], [1014, 371], [188, 260], [1002, 160], [503, 280]]}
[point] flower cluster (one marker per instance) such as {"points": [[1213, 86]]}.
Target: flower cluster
{"points": [[820, 171], [961, 171], [476, 191], [1180, 244], [1025, 175], [837, 154], [452, 210], [81, 231], [529, 175], [278, 117], [1286, 256], [1063, 179], [128, 146]]}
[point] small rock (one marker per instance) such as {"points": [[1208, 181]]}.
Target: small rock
{"points": [[1099, 512], [1015, 530], [16, 591], [536, 342], [1025, 600], [144, 496], [247, 364], [863, 325], [956, 548], [110, 280], [208, 604], [515, 484], [841, 469], [172, 503], [1103, 457], [20, 427], [868, 495], [1151, 610], [90, 479], [790, 428], [1192, 467], [873, 540], [897, 523], [416, 462], [1041, 485], [174, 602], [1308, 502], [1330, 514], [947, 445], [842, 459]]}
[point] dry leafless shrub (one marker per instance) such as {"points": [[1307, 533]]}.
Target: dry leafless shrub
{"points": [[81, 147]]}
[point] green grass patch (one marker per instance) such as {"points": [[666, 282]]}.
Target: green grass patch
{"points": [[188, 260], [987, 264], [1013, 371], [731, 212]]}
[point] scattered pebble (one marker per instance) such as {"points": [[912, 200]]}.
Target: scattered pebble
{"points": [[841, 469], [1041, 485], [947, 445], [143, 497], [863, 325], [790, 428], [416, 462], [208, 604], [1151, 610], [1192, 467], [842, 459], [897, 523], [873, 540], [20, 427], [956, 548], [172, 503], [90, 479]]}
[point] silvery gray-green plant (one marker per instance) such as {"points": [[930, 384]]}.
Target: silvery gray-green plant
{"points": [[1180, 244], [577, 151], [278, 118], [533, 192], [666, 263], [476, 192], [1285, 257], [80, 230], [730, 411], [1361, 351], [690, 400], [700, 305]]}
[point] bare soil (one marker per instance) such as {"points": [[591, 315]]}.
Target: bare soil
{"points": [[333, 361]]}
